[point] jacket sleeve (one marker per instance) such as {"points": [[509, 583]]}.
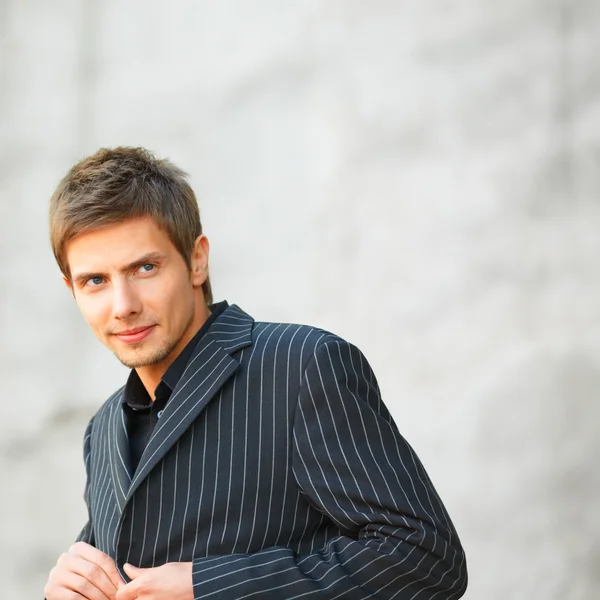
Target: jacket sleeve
{"points": [[354, 466], [87, 533]]}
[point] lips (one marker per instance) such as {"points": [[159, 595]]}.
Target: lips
{"points": [[133, 336]]}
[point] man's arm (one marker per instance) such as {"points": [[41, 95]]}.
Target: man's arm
{"points": [[355, 467], [83, 571]]}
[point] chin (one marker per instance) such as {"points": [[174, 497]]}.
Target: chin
{"points": [[144, 358]]}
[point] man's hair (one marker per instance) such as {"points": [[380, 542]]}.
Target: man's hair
{"points": [[116, 184]]}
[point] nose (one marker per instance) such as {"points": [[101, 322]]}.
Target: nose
{"points": [[126, 301]]}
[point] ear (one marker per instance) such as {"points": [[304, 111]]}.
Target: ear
{"points": [[199, 262]]}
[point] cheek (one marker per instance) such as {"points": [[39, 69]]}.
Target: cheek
{"points": [[171, 304], [94, 311], [164, 295]]}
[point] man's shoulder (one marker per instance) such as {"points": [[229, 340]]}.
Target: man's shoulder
{"points": [[292, 338], [294, 334]]}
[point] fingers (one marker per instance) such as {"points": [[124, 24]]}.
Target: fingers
{"points": [[92, 574], [133, 572], [83, 573], [172, 580], [57, 591], [75, 586], [64, 585], [128, 592], [132, 590], [99, 559]]}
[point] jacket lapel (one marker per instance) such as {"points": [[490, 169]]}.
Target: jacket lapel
{"points": [[210, 366], [118, 449]]}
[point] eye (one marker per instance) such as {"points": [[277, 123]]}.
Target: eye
{"points": [[147, 268], [95, 281]]}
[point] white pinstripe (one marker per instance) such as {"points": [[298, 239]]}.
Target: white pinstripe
{"points": [[160, 505], [234, 396], [215, 488]]}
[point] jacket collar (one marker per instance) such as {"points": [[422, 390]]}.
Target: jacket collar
{"points": [[209, 367]]}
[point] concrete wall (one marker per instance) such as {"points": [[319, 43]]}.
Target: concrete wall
{"points": [[420, 177]]}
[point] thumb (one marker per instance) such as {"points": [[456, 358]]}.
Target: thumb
{"points": [[133, 572]]}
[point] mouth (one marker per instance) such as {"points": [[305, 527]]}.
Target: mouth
{"points": [[135, 335]]}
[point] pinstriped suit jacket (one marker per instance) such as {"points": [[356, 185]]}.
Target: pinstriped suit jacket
{"points": [[276, 469]]}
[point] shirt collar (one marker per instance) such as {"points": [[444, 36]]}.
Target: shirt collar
{"points": [[135, 394]]}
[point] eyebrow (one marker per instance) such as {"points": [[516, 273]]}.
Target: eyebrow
{"points": [[146, 258]]}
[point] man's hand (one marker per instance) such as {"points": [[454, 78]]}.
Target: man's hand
{"points": [[172, 581], [83, 572]]}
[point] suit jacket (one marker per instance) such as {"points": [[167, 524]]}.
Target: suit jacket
{"points": [[277, 469]]}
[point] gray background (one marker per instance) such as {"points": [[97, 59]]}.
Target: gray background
{"points": [[418, 176]]}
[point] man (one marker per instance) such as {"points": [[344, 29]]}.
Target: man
{"points": [[241, 459]]}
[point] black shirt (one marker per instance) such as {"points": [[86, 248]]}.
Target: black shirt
{"points": [[141, 413]]}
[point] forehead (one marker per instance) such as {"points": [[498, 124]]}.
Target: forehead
{"points": [[114, 246]]}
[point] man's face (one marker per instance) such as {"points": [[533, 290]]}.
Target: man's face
{"points": [[135, 290]]}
